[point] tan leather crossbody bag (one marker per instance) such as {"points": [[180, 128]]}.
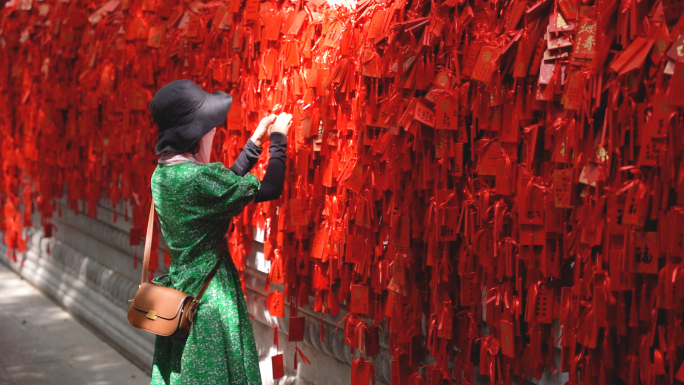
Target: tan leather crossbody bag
{"points": [[161, 310]]}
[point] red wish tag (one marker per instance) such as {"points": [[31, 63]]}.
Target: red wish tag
{"points": [[470, 290], [425, 114], [251, 9], [585, 40], [359, 299], [298, 212], [362, 372], [543, 308], [446, 112], [296, 329], [486, 64], [530, 202], [490, 159], [636, 206], [569, 9], [277, 366], [275, 303], [646, 252], [563, 187], [508, 338]]}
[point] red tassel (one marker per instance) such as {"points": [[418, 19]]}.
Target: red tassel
{"points": [[135, 259], [295, 358], [275, 337]]}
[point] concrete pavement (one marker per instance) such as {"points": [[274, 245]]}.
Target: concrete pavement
{"points": [[41, 344]]}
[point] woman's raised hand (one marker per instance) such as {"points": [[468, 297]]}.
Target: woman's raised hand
{"points": [[262, 128], [282, 124]]}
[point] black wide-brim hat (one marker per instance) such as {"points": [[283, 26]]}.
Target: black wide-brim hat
{"points": [[185, 113]]}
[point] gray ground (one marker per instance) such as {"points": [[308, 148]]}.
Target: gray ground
{"points": [[40, 343]]}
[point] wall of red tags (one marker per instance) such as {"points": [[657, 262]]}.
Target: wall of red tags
{"points": [[464, 174]]}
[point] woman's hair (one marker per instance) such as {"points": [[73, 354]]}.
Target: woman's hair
{"points": [[194, 149]]}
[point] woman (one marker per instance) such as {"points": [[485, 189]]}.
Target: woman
{"points": [[195, 201]]}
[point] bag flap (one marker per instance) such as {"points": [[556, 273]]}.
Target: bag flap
{"points": [[164, 301]]}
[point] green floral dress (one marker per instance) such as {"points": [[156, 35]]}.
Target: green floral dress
{"points": [[195, 204]]}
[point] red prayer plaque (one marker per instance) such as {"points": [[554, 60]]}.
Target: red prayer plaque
{"points": [[486, 64], [572, 95], [156, 37], [508, 338], [278, 367], [296, 329], [634, 213], [220, 14], [272, 24], [446, 223], [585, 40], [356, 179], [446, 112], [293, 23], [298, 212], [517, 9], [470, 290], [646, 252], [569, 9], [275, 302], [543, 308], [235, 117], [432, 375], [457, 160], [359, 299], [361, 372], [530, 203], [491, 156], [563, 188], [424, 114], [471, 58], [372, 342], [251, 9]]}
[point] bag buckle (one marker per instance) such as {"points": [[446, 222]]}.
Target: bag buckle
{"points": [[151, 315]]}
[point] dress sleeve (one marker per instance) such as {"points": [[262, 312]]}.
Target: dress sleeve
{"points": [[223, 193], [247, 158]]}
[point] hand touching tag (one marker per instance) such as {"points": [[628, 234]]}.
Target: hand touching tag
{"points": [[282, 124], [263, 127]]}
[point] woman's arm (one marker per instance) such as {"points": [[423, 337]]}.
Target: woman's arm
{"points": [[250, 153], [272, 185], [247, 159]]}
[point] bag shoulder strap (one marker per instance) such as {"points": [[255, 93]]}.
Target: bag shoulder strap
{"points": [[148, 245], [207, 281], [148, 251]]}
